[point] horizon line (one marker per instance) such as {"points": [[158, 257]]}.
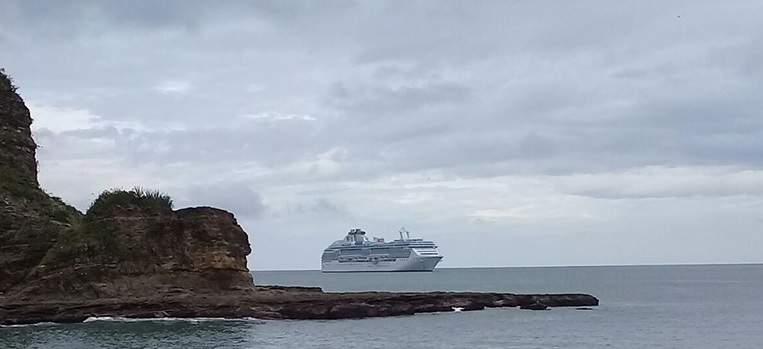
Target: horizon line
{"points": [[562, 266]]}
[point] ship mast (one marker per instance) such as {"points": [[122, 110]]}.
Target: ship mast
{"points": [[407, 234]]}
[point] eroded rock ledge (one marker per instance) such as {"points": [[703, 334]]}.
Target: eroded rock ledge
{"points": [[277, 302]]}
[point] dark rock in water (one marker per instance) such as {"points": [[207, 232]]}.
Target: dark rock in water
{"points": [[131, 255], [277, 288], [534, 306], [584, 309], [264, 303]]}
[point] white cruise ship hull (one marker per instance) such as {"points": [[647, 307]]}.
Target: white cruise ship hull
{"points": [[412, 263], [356, 253]]}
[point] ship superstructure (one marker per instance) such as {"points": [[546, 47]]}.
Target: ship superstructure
{"points": [[358, 253]]}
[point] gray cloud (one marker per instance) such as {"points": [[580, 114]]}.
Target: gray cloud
{"points": [[390, 100], [238, 198], [665, 182], [345, 112]]}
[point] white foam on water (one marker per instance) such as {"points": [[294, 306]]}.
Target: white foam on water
{"points": [[191, 320], [30, 325], [124, 319]]}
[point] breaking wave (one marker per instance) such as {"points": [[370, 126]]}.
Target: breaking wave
{"points": [[30, 325], [191, 320], [95, 319]]}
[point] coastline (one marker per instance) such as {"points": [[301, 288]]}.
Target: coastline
{"points": [[278, 302]]}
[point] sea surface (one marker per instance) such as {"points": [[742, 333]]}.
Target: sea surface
{"points": [[704, 306]]}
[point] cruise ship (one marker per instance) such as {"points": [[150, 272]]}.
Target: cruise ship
{"points": [[357, 253]]}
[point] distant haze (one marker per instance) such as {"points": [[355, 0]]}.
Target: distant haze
{"points": [[512, 133]]}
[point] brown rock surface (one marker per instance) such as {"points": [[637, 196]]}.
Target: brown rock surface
{"points": [[30, 219], [145, 253], [17, 148]]}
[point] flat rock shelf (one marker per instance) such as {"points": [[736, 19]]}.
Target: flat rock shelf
{"points": [[279, 302]]}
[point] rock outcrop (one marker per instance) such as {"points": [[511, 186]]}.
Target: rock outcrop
{"points": [[17, 148], [49, 250], [280, 303], [143, 253]]}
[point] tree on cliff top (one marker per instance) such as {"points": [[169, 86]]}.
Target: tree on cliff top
{"points": [[6, 82], [137, 196]]}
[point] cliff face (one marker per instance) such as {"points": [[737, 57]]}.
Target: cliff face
{"points": [[30, 219], [49, 249], [17, 148], [143, 253]]}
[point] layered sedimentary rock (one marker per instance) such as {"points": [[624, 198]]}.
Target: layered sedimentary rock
{"points": [[137, 252], [30, 220], [17, 148]]}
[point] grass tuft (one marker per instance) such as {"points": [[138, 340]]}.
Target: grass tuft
{"points": [[96, 235], [139, 197]]}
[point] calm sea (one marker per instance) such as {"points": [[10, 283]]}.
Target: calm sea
{"points": [[641, 307]]}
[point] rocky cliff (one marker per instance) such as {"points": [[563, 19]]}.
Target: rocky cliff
{"points": [[30, 219], [129, 243], [144, 252], [17, 148]]}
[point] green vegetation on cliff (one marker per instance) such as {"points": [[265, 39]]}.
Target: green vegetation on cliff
{"points": [[14, 185], [6, 82], [139, 197], [95, 235]]}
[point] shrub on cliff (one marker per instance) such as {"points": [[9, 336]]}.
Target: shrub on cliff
{"points": [[17, 186], [94, 236], [6, 82], [145, 199], [14, 182]]}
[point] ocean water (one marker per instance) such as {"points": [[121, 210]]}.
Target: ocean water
{"points": [[707, 306]]}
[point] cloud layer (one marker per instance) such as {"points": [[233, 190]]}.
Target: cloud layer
{"points": [[510, 133]]}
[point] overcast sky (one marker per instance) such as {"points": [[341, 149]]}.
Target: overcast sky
{"points": [[511, 133]]}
